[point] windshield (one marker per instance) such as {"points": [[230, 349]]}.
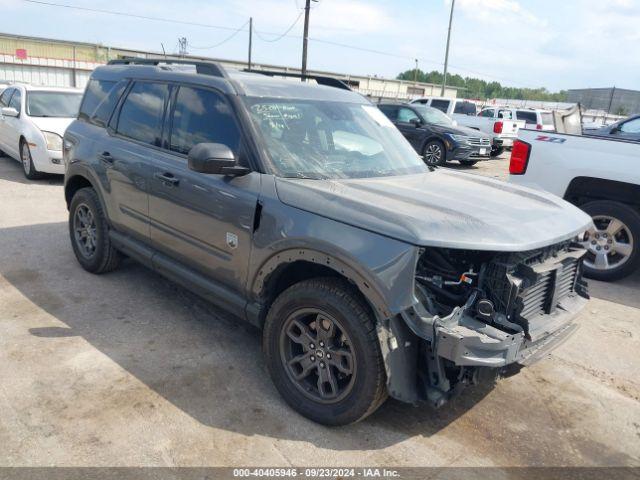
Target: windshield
{"points": [[53, 104], [320, 139], [433, 115]]}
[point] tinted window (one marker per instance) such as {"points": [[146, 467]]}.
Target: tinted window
{"points": [[15, 100], [142, 111], [53, 104], [632, 126], [105, 108], [96, 91], [405, 115], [487, 113], [5, 97], [390, 111], [465, 108], [442, 105], [529, 117], [202, 116]]}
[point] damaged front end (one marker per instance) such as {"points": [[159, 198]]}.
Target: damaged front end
{"points": [[478, 312]]}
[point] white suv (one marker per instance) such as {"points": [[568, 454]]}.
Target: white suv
{"points": [[32, 123], [535, 119]]}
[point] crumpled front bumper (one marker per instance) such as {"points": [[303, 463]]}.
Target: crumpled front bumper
{"points": [[470, 342]]}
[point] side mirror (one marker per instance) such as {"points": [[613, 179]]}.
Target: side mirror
{"points": [[614, 130], [214, 158], [416, 122], [10, 112]]}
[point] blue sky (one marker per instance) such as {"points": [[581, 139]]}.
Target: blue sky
{"points": [[527, 43]]}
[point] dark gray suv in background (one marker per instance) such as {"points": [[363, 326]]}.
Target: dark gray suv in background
{"points": [[301, 209]]}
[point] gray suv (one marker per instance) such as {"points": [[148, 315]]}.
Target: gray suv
{"points": [[300, 208]]}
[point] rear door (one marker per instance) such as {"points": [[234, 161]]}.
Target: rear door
{"points": [[203, 220], [131, 154]]}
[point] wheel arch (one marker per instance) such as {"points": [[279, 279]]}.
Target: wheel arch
{"points": [[291, 266], [582, 190], [73, 184], [430, 138]]}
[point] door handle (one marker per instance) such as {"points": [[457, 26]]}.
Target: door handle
{"points": [[106, 157], [167, 178]]}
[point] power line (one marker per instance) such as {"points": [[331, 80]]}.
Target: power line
{"points": [[223, 41], [280, 37]]}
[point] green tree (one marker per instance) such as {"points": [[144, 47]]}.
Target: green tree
{"points": [[481, 89]]}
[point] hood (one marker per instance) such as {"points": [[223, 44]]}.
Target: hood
{"points": [[52, 124], [442, 208], [458, 130]]}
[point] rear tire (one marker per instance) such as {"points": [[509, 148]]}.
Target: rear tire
{"points": [[434, 154], [26, 160], [613, 247], [468, 163], [342, 350], [89, 233]]}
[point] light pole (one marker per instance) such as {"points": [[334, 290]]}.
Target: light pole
{"points": [[446, 54]]}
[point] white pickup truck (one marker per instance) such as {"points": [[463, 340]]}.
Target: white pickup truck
{"points": [[602, 177], [501, 126]]}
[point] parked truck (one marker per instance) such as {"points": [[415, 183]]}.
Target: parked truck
{"points": [[601, 176]]}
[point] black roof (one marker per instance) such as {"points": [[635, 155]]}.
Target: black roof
{"points": [[229, 81]]}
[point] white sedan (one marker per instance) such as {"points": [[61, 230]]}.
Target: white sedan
{"points": [[32, 124]]}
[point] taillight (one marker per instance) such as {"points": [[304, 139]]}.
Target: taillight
{"points": [[538, 127], [497, 127], [519, 157]]}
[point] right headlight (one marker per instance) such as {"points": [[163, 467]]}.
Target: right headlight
{"points": [[54, 141], [459, 138]]}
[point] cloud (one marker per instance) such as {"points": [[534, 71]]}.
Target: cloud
{"points": [[499, 11]]}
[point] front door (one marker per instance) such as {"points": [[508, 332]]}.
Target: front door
{"points": [[411, 131], [205, 221]]}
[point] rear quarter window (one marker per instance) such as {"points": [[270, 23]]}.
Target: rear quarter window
{"points": [[96, 92]]}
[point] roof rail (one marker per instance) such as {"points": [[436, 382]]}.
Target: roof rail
{"points": [[202, 67], [320, 79]]}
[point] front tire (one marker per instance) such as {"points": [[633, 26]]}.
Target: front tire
{"points": [[89, 233], [322, 352], [434, 153], [28, 168], [613, 245]]}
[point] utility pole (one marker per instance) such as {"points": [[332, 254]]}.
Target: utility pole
{"points": [[446, 54], [182, 46], [305, 38], [250, 40], [415, 73]]}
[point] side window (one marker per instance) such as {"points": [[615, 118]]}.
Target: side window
{"points": [[405, 115], [489, 113], [632, 126], [390, 111], [96, 92], [442, 105], [5, 97], [465, 108], [506, 114], [529, 117], [16, 100], [105, 108], [142, 112], [202, 116]]}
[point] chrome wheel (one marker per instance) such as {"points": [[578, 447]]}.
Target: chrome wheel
{"points": [[85, 230], [609, 245], [433, 154], [317, 355], [25, 156]]}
